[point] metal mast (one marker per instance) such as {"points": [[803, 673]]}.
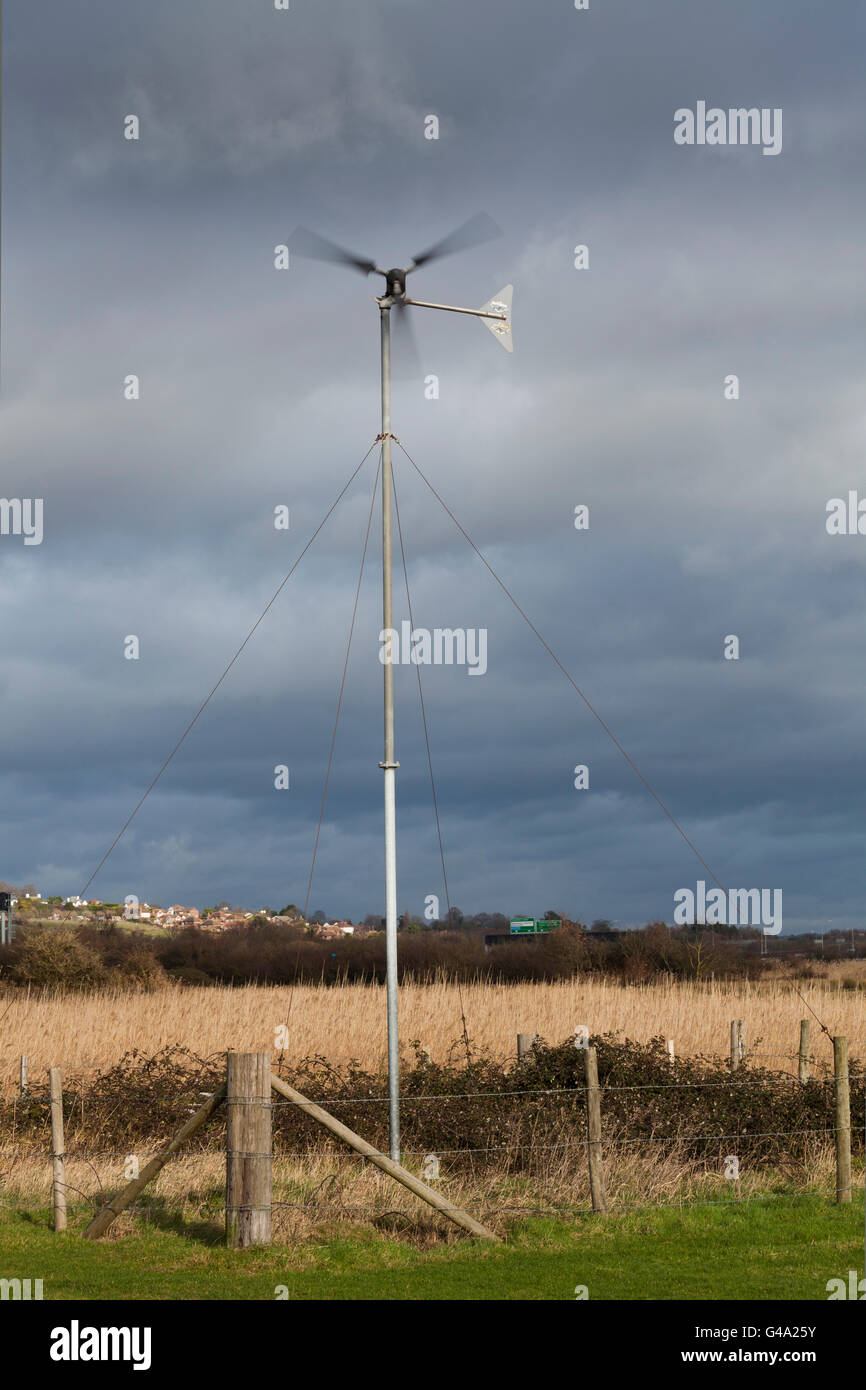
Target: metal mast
{"points": [[496, 315], [388, 764]]}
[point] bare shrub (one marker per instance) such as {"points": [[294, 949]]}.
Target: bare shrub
{"points": [[55, 957]]}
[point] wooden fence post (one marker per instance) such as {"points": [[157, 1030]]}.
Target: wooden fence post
{"points": [[249, 1149], [22, 1076], [738, 1042], [843, 1120], [671, 1054], [803, 1063], [525, 1043], [58, 1155], [593, 1131]]}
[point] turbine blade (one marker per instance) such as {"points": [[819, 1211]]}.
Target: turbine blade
{"points": [[318, 248], [479, 228]]}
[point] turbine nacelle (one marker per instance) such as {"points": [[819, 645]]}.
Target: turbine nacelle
{"points": [[396, 282]]}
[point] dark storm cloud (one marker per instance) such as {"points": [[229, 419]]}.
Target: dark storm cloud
{"points": [[261, 388]]}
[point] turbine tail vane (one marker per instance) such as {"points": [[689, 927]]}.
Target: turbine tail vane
{"points": [[500, 327]]}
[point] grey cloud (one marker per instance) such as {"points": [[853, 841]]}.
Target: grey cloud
{"points": [[261, 388]]}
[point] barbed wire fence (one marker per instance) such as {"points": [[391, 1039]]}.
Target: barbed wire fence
{"points": [[565, 1135]]}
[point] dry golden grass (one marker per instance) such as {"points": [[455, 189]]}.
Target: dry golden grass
{"points": [[82, 1031]]}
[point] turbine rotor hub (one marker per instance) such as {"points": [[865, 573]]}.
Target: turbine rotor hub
{"points": [[396, 282]]}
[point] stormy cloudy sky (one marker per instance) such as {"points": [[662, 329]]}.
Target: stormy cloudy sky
{"points": [[259, 387]]}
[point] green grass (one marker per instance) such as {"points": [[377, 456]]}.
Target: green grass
{"points": [[765, 1249]]}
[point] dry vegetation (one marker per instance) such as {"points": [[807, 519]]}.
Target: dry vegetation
{"points": [[87, 1030], [313, 1192]]}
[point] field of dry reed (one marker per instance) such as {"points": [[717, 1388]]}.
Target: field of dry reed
{"points": [[92, 1030]]}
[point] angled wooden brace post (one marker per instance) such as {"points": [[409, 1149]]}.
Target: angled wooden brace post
{"points": [[387, 1165], [103, 1219]]}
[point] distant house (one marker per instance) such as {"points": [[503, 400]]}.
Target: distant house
{"points": [[179, 916], [332, 931]]}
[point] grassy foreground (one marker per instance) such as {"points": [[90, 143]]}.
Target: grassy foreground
{"points": [[773, 1249]]}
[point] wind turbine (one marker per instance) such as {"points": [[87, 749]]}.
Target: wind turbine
{"points": [[496, 314]]}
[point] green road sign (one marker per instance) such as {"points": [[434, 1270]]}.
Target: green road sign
{"points": [[522, 925], [531, 926]]}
